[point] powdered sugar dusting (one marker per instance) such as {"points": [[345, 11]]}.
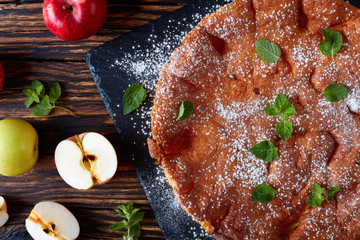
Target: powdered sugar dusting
{"points": [[353, 100], [219, 71], [144, 66]]}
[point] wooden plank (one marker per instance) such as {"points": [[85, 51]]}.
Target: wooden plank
{"points": [[29, 51], [93, 208], [79, 89], [24, 35]]}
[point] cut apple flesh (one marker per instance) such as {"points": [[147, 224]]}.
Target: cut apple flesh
{"points": [[88, 160], [50, 221], [4, 216]]}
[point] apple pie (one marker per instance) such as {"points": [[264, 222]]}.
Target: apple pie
{"points": [[206, 157]]}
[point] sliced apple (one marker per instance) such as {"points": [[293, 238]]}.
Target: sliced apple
{"points": [[85, 160], [50, 221], [4, 216]]}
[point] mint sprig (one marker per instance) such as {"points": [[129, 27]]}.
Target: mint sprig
{"points": [[284, 108], [267, 50], [45, 103], [131, 223], [335, 92], [332, 42], [317, 197], [263, 193], [284, 129], [265, 150]]}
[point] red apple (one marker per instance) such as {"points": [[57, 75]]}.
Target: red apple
{"points": [[74, 20], [2, 77]]}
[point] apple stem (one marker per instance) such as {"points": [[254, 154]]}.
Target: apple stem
{"points": [[68, 7]]}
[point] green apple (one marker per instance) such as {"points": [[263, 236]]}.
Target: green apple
{"points": [[18, 146]]}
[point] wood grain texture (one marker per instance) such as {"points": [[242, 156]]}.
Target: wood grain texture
{"points": [[28, 51], [24, 34]]}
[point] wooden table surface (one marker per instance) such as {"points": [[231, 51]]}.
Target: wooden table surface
{"points": [[28, 51]]}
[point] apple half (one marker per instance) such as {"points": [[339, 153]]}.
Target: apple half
{"points": [[85, 160], [50, 221], [4, 216]]}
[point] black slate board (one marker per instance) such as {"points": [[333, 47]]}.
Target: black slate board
{"points": [[138, 57]]}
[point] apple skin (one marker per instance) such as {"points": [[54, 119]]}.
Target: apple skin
{"points": [[74, 20], [18, 146], [2, 77]]}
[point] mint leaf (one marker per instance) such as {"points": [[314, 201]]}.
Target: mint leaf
{"points": [[43, 108], [265, 150], [120, 212], [263, 193], [288, 112], [282, 107], [332, 42], [38, 88], [316, 199], [55, 92], [185, 110], [133, 97], [133, 212], [129, 207], [136, 218], [117, 226], [268, 51], [134, 231], [31, 97], [272, 110], [332, 191], [284, 129], [335, 92], [282, 102]]}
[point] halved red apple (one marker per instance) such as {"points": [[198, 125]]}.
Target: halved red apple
{"points": [[4, 216], [50, 221], [85, 160]]}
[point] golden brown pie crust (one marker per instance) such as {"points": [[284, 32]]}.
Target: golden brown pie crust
{"points": [[206, 157]]}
